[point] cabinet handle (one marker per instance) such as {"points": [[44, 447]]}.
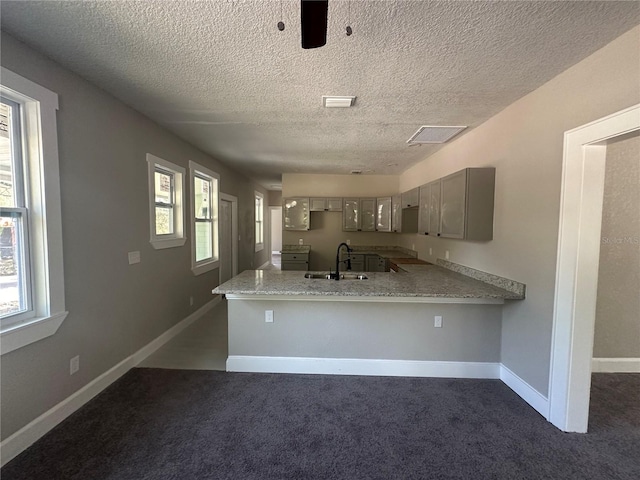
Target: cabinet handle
{"points": [[426, 233], [438, 234]]}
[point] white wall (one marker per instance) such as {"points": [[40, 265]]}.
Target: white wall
{"points": [[525, 144], [617, 326]]}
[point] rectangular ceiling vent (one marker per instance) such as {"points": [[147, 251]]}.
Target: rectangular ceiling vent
{"points": [[435, 134], [330, 101]]}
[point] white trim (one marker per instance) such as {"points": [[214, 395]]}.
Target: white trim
{"points": [[22, 334], [327, 297], [203, 266], [615, 365], [234, 231], [529, 394], [40, 131], [358, 366], [178, 238], [36, 429], [577, 266], [259, 246]]}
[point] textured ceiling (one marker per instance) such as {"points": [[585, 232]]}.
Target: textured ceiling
{"points": [[222, 76]]}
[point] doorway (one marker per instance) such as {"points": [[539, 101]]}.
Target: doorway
{"points": [[581, 203], [228, 237], [275, 217]]}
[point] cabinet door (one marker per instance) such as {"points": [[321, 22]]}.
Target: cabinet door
{"points": [[423, 212], [317, 204], [368, 214], [411, 198], [383, 214], [434, 208], [396, 213], [334, 204], [296, 214], [452, 204], [350, 214]]}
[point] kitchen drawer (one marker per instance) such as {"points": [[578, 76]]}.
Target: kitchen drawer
{"points": [[295, 257], [296, 266]]}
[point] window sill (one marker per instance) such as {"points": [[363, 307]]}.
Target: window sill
{"points": [[171, 243], [205, 267], [30, 331]]}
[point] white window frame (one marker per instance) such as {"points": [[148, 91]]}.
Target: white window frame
{"points": [[208, 264], [259, 218], [40, 150], [177, 238]]}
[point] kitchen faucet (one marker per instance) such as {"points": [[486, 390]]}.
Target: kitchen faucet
{"points": [[338, 262]]}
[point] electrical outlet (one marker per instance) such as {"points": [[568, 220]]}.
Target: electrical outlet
{"points": [[300, 241], [74, 364], [268, 316], [437, 321], [446, 254], [191, 301], [413, 246], [430, 251], [348, 241]]}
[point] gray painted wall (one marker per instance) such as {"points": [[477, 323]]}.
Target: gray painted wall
{"points": [[114, 309], [393, 331], [525, 144], [617, 332]]}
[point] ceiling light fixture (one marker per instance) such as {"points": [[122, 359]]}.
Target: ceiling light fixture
{"points": [[330, 101], [434, 134]]}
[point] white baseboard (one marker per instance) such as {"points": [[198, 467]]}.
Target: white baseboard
{"points": [[12, 446], [615, 365], [264, 265], [529, 394], [356, 366]]}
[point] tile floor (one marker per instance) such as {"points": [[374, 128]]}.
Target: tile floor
{"points": [[202, 345]]}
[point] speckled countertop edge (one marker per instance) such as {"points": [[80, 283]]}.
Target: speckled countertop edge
{"points": [[500, 282], [295, 249]]}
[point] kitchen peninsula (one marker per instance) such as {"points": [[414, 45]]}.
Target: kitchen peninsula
{"points": [[384, 325]]}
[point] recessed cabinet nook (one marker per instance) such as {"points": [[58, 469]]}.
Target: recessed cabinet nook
{"points": [[458, 206]]}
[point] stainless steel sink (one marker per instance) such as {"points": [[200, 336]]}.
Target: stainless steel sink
{"points": [[343, 276]]}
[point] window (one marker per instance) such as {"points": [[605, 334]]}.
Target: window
{"points": [[31, 269], [205, 194], [259, 221], [166, 199]]}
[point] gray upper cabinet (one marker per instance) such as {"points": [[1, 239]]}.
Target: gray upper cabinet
{"points": [[434, 208], [411, 198], [383, 214], [296, 213], [466, 204], [396, 213], [359, 214], [321, 204], [423, 212]]}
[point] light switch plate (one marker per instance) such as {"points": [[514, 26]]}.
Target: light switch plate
{"points": [[134, 257]]}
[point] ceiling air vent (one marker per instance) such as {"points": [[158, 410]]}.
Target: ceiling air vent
{"points": [[434, 134], [329, 101]]}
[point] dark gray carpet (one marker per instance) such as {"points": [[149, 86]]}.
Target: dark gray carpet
{"points": [[172, 424]]}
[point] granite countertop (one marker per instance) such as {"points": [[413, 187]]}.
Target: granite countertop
{"points": [[295, 249], [430, 281]]}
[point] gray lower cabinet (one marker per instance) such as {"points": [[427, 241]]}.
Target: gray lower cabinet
{"points": [[357, 262], [295, 261], [375, 263]]}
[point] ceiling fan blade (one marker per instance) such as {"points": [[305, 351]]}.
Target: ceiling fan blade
{"points": [[314, 22]]}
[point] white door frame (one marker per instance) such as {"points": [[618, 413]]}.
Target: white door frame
{"points": [[234, 231], [583, 168], [271, 209]]}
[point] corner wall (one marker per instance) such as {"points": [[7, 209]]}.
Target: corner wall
{"points": [[525, 144], [114, 308]]}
